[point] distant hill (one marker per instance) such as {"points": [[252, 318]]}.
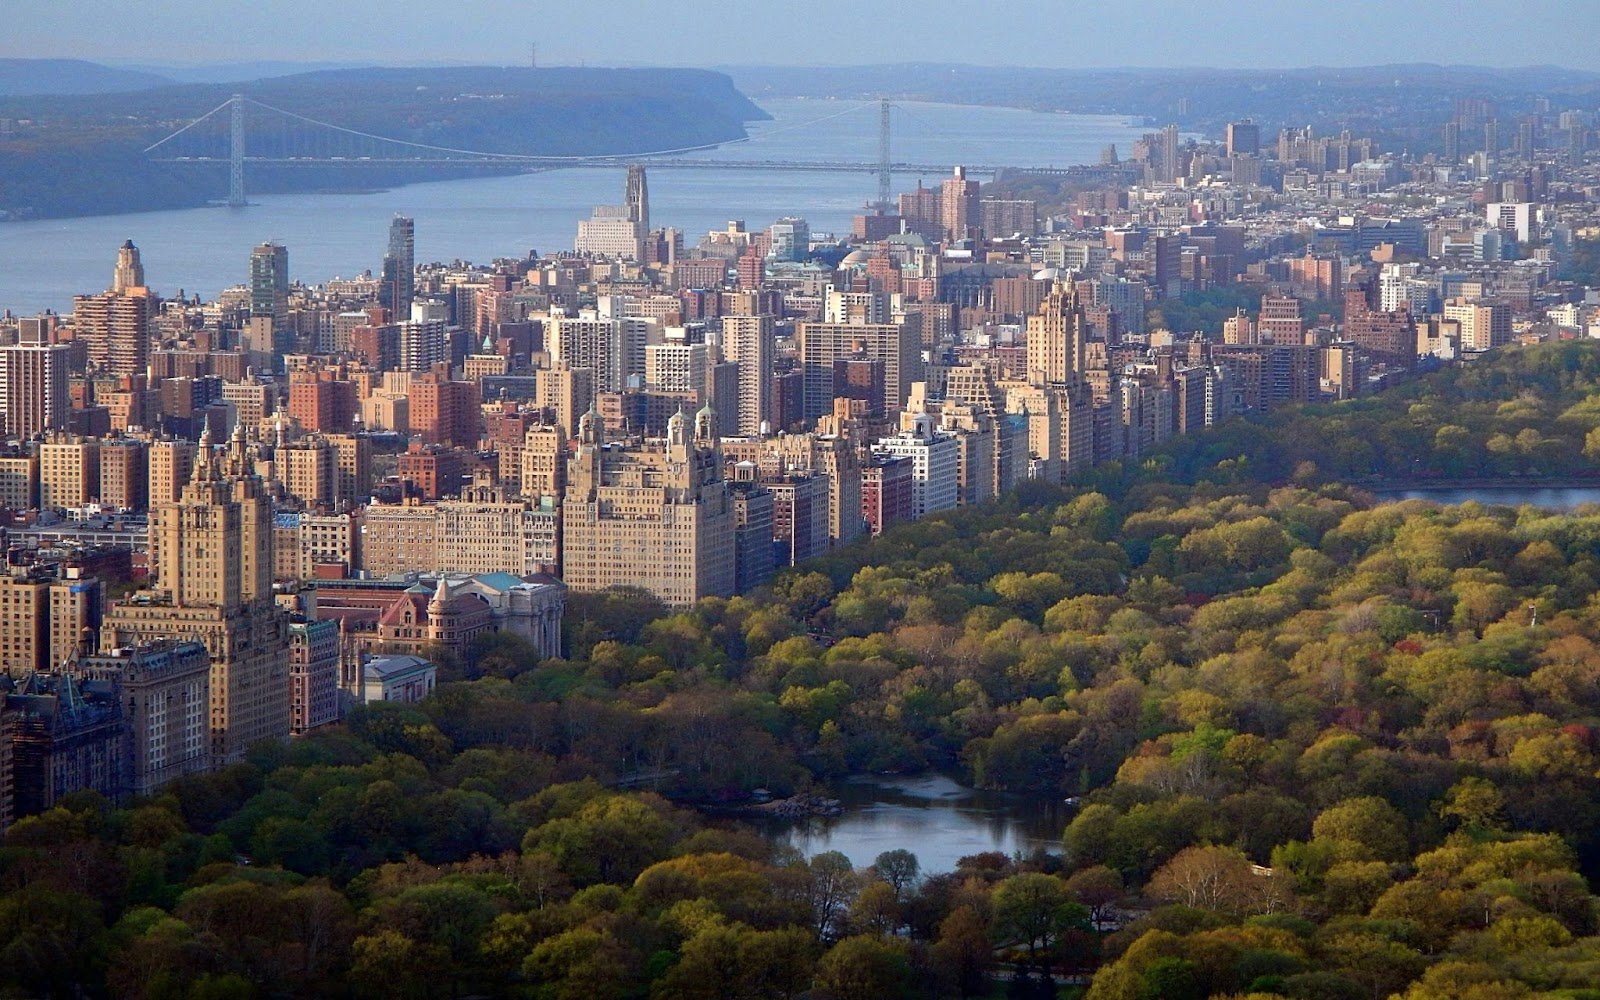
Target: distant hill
{"points": [[1401, 105], [71, 76], [234, 72]]}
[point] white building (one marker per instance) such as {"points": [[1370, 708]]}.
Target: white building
{"points": [[935, 463], [789, 239], [402, 678], [611, 231], [677, 366], [1513, 217]]}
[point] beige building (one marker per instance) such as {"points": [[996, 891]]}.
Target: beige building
{"points": [[482, 531], [898, 344], [1060, 426], [252, 402], [212, 558], [544, 462], [566, 392], [69, 473], [19, 483], [309, 473], [124, 468], [171, 464], [659, 518], [353, 464], [165, 690], [1057, 338], [386, 411], [1484, 324], [750, 341], [24, 622]]}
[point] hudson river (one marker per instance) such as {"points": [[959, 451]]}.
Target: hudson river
{"points": [[43, 264]]}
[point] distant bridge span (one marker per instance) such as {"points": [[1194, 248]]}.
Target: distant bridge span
{"points": [[300, 141]]}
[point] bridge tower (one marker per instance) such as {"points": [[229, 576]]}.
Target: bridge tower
{"points": [[883, 157], [236, 154]]}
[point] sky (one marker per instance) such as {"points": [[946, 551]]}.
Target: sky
{"points": [[1051, 33]]}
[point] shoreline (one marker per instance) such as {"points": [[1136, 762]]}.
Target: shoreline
{"points": [[1393, 486]]}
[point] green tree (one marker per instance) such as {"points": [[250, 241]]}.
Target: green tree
{"points": [[865, 968]]}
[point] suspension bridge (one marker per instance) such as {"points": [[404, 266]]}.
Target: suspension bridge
{"points": [[243, 132]]}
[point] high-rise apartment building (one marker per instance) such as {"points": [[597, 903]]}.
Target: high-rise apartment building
{"points": [[69, 472], [212, 556], [1244, 138], [313, 675], [171, 464], [124, 474], [750, 342], [958, 205], [115, 329], [269, 282], [660, 518], [33, 384], [1281, 322], [789, 239], [858, 325], [1057, 340], [1485, 324], [678, 367], [397, 285]]}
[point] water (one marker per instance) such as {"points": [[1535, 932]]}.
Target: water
{"points": [[929, 815], [1556, 498], [44, 263]]}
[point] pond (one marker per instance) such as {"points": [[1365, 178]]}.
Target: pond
{"points": [[930, 815], [1556, 498]]}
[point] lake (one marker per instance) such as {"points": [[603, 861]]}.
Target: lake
{"points": [[937, 819], [44, 263], [1557, 498]]}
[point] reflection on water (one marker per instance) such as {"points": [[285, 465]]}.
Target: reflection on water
{"points": [[930, 815], [1560, 498]]}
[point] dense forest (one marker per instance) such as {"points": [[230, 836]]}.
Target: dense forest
{"points": [[82, 154], [1319, 749]]}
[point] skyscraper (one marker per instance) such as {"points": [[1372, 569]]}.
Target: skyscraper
{"points": [[1452, 142], [1170, 166], [1244, 138], [399, 274], [638, 197], [212, 555], [115, 329], [751, 342], [958, 204], [269, 281], [35, 375], [1056, 338], [130, 271]]}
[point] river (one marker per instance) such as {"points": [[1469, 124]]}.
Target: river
{"points": [[930, 815], [44, 263]]}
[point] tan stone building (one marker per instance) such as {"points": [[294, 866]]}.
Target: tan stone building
{"points": [[659, 517], [69, 472], [212, 558]]}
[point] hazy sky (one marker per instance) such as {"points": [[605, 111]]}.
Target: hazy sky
{"points": [[812, 32]]}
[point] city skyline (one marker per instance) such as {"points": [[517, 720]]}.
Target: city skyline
{"points": [[1151, 33]]}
